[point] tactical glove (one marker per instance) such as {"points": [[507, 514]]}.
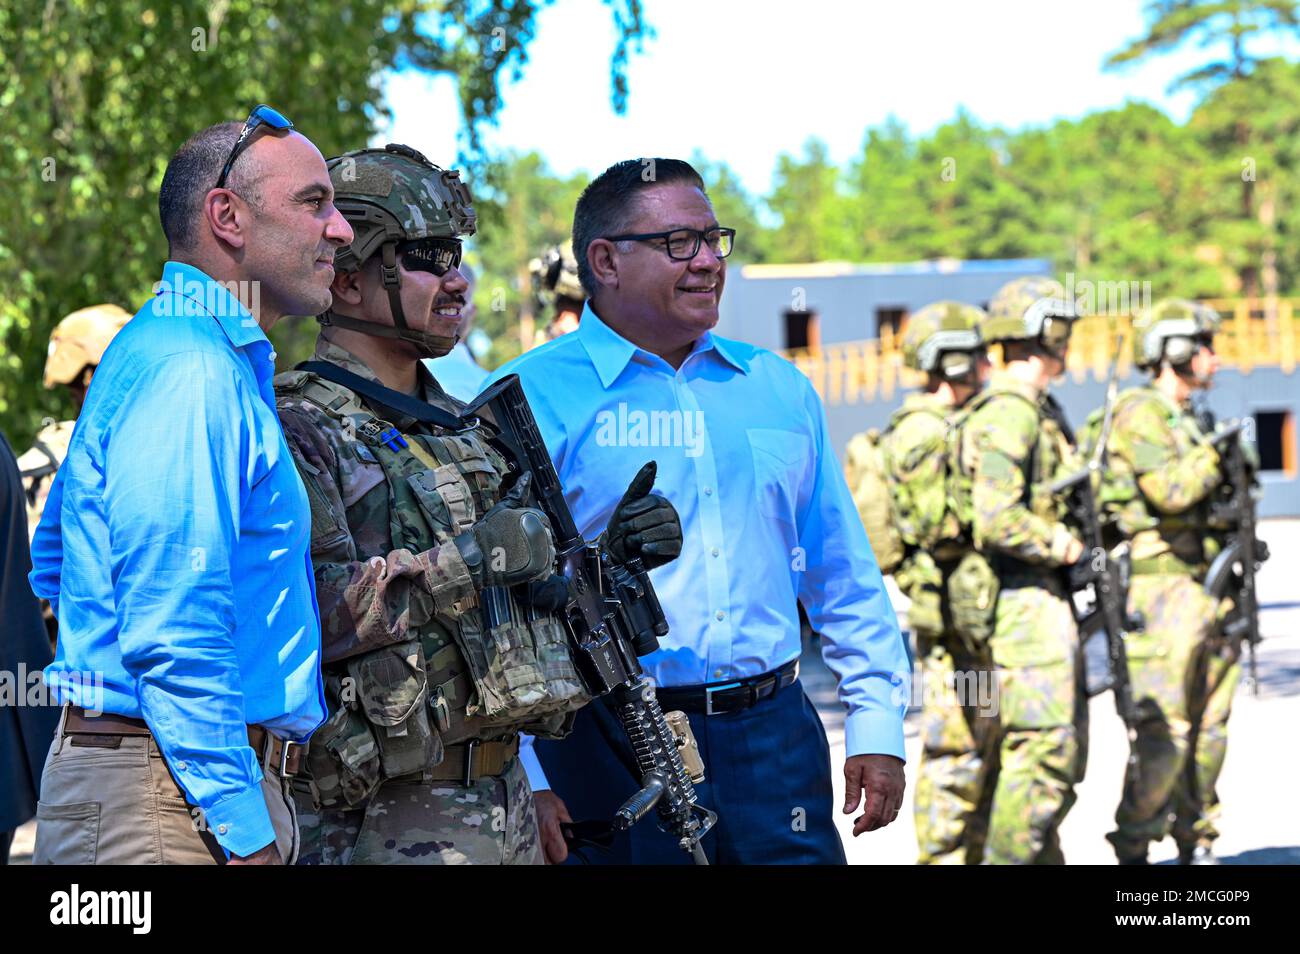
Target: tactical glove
{"points": [[510, 544], [644, 525]]}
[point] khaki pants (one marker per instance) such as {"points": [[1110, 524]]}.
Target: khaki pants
{"points": [[120, 806]]}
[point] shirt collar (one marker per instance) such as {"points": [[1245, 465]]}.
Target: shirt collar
{"points": [[211, 297], [610, 352]]}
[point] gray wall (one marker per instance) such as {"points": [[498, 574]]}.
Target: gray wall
{"points": [[753, 308]]}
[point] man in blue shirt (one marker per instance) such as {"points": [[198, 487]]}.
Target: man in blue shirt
{"points": [[174, 545], [744, 455]]}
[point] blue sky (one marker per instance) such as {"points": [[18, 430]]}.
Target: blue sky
{"points": [[744, 82]]}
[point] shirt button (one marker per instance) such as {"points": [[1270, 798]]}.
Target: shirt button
{"points": [[708, 491], [714, 551], [273, 356], [222, 829], [182, 766], [719, 614], [717, 674]]}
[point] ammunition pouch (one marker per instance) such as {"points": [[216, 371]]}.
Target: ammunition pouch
{"points": [[973, 589], [343, 756], [921, 579]]}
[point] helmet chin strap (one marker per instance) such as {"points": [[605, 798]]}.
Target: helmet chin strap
{"points": [[428, 345]]}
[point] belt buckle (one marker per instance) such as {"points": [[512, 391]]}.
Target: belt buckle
{"points": [[281, 765], [710, 690], [285, 751]]}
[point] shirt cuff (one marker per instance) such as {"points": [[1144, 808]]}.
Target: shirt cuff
{"points": [[446, 576], [874, 732], [537, 780], [241, 823]]}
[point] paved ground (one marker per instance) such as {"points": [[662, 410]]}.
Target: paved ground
{"points": [[1260, 777]]}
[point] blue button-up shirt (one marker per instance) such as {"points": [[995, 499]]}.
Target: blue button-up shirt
{"points": [[174, 550], [744, 455], [458, 373]]}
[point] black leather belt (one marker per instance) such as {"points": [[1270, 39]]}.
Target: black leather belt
{"points": [[716, 698]]}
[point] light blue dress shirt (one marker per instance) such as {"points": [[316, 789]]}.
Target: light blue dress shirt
{"points": [[458, 373], [174, 551], [744, 455]]}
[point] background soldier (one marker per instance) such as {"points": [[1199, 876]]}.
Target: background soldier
{"points": [[1162, 471], [943, 341], [557, 290], [1011, 444], [417, 762], [77, 345]]}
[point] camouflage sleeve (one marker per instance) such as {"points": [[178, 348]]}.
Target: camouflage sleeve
{"points": [[371, 603], [1170, 482], [997, 444], [918, 464]]}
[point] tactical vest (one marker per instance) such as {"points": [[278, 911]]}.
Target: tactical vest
{"points": [[1127, 513], [974, 585], [453, 681]]}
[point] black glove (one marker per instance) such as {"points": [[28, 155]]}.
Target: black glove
{"points": [[549, 595], [644, 525], [510, 544]]}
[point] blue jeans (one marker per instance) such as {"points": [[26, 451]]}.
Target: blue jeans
{"points": [[767, 775]]}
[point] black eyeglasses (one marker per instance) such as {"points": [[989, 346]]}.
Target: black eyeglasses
{"points": [[260, 116], [683, 245], [436, 255]]}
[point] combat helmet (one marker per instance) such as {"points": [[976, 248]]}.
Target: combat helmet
{"points": [[1031, 309], [555, 275], [1173, 330], [399, 203], [80, 340], [942, 338]]}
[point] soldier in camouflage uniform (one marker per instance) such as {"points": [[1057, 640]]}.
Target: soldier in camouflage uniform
{"points": [[1162, 471], [943, 341], [557, 291], [428, 692], [1009, 445], [77, 345]]}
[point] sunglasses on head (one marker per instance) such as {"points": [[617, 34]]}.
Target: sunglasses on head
{"points": [[435, 255], [262, 115]]}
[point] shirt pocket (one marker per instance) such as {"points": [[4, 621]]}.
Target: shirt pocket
{"points": [[781, 462]]}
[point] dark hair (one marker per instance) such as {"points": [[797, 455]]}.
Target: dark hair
{"points": [[609, 202], [192, 172]]}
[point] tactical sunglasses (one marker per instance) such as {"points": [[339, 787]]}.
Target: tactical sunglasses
{"points": [[262, 115], [435, 255]]}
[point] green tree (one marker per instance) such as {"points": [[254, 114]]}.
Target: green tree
{"points": [[100, 93], [1216, 23]]}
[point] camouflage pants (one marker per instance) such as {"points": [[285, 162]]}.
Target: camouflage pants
{"points": [[1163, 662], [955, 728], [492, 822], [1041, 739], [1196, 801]]}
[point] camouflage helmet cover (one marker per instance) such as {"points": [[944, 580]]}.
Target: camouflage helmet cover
{"points": [[939, 327], [81, 339], [395, 194], [1171, 318], [1019, 308], [555, 274]]}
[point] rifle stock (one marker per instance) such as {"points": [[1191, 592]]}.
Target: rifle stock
{"points": [[612, 616]]}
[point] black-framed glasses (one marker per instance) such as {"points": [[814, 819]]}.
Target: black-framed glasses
{"points": [[436, 255], [682, 245], [262, 115]]}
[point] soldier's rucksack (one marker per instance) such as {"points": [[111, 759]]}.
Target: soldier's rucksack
{"points": [[864, 469]]}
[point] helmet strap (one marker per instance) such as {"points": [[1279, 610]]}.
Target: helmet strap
{"points": [[429, 346]]}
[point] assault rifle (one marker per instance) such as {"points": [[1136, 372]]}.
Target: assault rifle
{"points": [[1233, 571], [1103, 572], [612, 616]]}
